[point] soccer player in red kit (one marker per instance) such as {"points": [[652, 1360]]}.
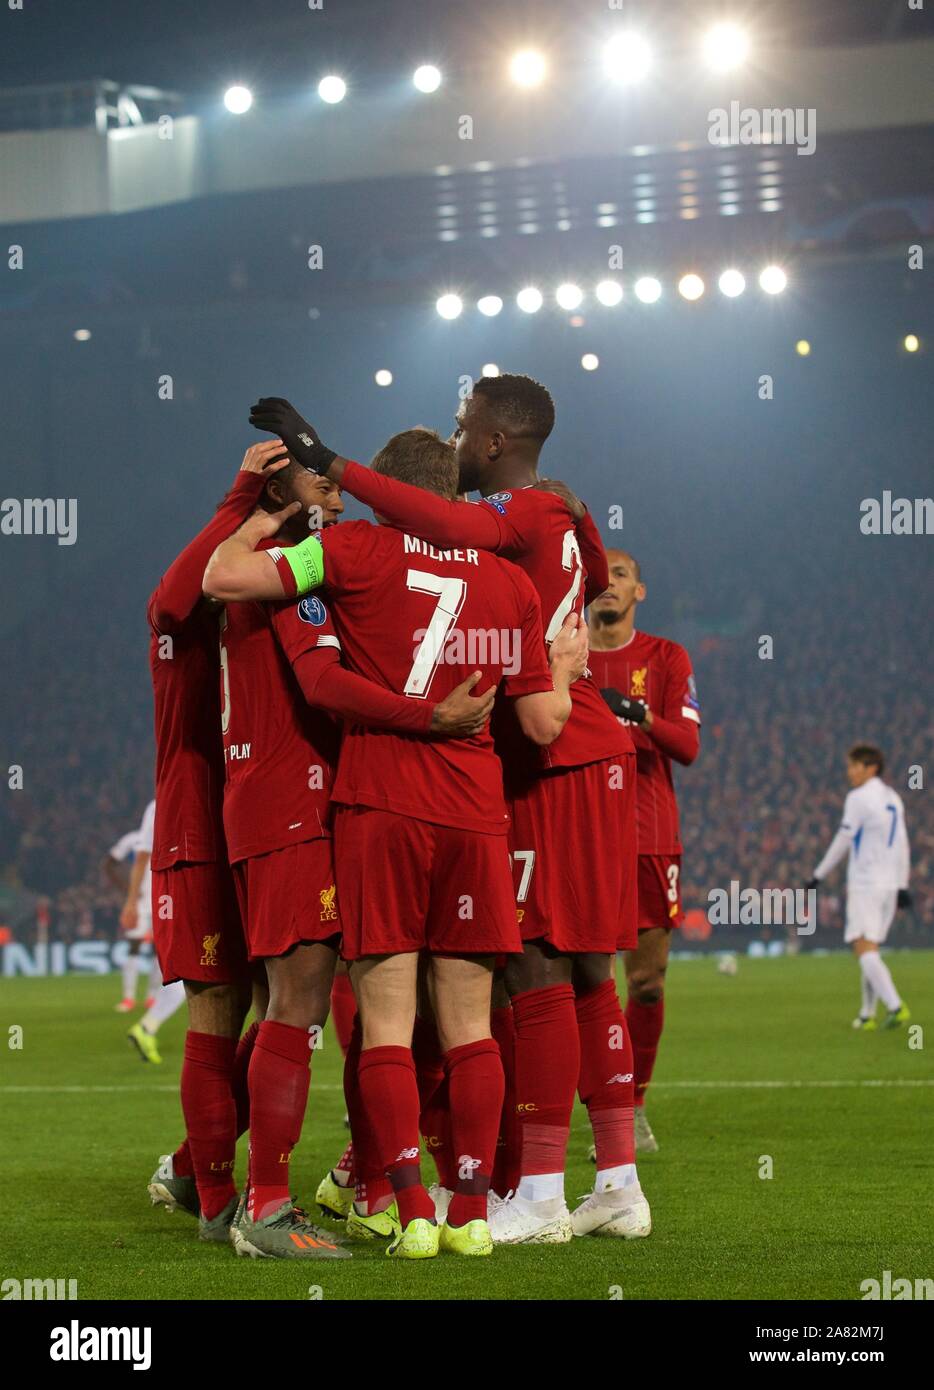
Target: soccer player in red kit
{"points": [[420, 828], [276, 661], [649, 684], [565, 801], [196, 924]]}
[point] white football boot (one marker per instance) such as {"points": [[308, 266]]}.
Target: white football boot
{"points": [[622, 1212], [517, 1221]]}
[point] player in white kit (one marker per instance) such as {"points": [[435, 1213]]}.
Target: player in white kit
{"points": [[136, 914], [874, 834], [136, 921]]}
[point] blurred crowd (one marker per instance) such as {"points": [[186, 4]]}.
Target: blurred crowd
{"points": [[760, 805], [765, 797]]}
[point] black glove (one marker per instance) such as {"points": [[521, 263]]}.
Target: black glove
{"points": [[277, 416], [623, 707], [811, 883], [904, 899]]}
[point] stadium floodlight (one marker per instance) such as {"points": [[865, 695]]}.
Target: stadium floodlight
{"points": [[332, 89], [773, 279], [569, 296], [238, 100], [590, 361], [383, 377], [726, 46], [803, 347], [449, 306], [490, 305], [609, 292], [82, 335], [627, 58], [911, 343], [648, 289], [690, 286], [529, 300], [732, 283], [427, 78], [489, 369], [527, 68]]}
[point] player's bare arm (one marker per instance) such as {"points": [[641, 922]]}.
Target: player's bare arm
{"points": [[116, 874], [237, 571], [130, 911], [542, 716]]}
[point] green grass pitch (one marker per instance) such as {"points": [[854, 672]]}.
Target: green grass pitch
{"points": [[761, 1064]]}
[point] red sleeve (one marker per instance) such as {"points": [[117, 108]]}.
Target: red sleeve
{"points": [[303, 625], [593, 557], [676, 739], [329, 685], [677, 731], [532, 673], [179, 590], [305, 631], [425, 514]]}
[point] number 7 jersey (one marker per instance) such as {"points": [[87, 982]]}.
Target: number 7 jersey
{"points": [[418, 621]]}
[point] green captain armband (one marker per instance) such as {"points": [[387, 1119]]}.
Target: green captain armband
{"points": [[305, 564]]}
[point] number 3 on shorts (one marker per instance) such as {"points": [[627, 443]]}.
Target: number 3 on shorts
{"points": [[672, 873]]}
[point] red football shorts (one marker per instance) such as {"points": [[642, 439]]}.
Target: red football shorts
{"points": [[196, 924], [409, 885], [660, 891], [287, 896], [573, 846]]}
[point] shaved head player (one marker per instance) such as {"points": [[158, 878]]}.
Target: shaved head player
{"points": [[648, 684]]}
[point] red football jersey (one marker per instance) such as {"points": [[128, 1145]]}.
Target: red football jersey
{"points": [[184, 664], [658, 672], [538, 535], [280, 753], [418, 620], [534, 529]]}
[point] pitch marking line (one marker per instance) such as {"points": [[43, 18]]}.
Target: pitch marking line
{"points": [[656, 1086]]}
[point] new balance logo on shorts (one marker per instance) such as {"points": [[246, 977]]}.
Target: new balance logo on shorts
{"points": [[619, 1077], [407, 1153]]}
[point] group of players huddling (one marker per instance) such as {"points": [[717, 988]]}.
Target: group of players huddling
{"points": [[386, 750]]}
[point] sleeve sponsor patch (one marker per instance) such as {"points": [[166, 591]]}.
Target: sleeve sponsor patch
{"points": [[688, 713]]}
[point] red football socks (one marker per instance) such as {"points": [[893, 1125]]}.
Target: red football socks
{"points": [[508, 1161], [606, 1075], [280, 1071], [547, 1065], [389, 1094], [646, 1022], [345, 1166], [476, 1087], [372, 1188], [343, 1010], [241, 1082], [434, 1117], [182, 1165], [210, 1118]]}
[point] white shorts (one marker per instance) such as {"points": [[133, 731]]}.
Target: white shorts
{"points": [[143, 929], [869, 913]]}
